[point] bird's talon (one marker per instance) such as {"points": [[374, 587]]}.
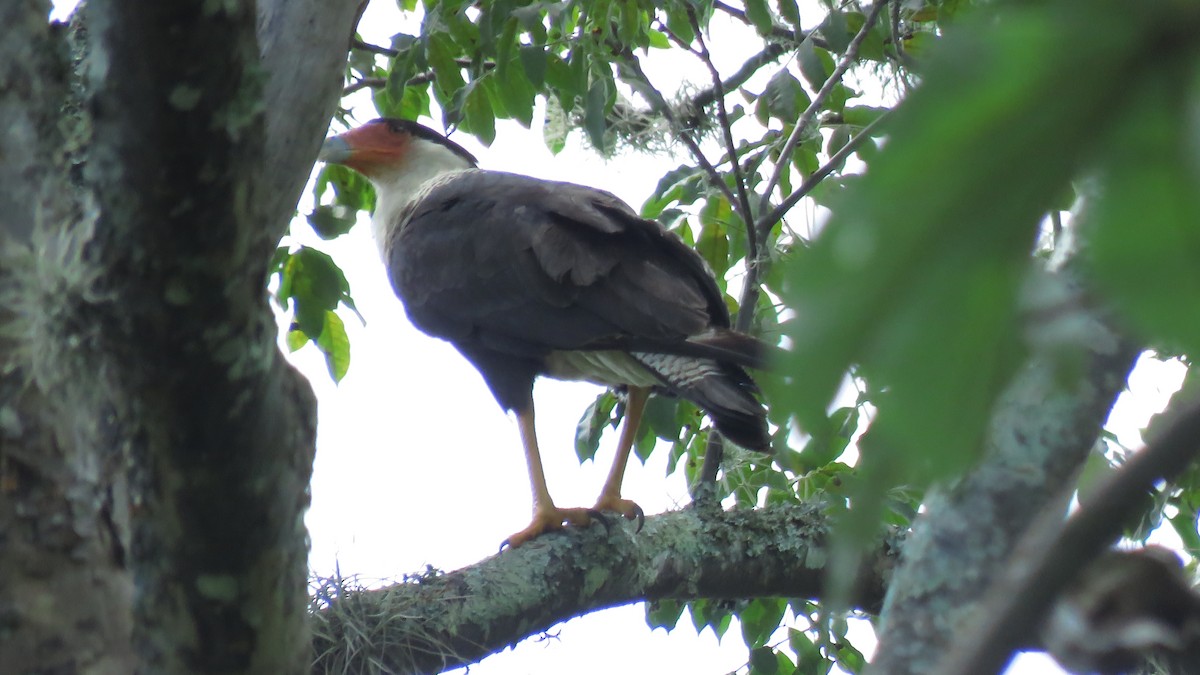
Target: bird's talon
{"points": [[628, 510], [554, 518], [601, 518]]}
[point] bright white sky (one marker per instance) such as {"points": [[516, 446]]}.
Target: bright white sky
{"points": [[416, 464]]}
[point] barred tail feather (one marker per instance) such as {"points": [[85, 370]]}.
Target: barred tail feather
{"points": [[721, 344], [729, 345], [722, 390]]}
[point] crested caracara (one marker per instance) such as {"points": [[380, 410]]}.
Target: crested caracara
{"points": [[528, 277]]}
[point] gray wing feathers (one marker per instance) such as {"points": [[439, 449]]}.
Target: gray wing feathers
{"points": [[553, 263]]}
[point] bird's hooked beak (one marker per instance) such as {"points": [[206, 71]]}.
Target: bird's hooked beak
{"points": [[372, 149], [335, 150]]}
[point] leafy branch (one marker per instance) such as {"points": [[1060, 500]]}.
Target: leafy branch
{"points": [[414, 81], [801, 127], [776, 32]]}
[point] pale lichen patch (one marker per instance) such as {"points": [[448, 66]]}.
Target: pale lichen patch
{"points": [[220, 587], [184, 97], [176, 292], [10, 423]]}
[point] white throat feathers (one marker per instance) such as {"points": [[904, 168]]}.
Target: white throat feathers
{"points": [[426, 165]]}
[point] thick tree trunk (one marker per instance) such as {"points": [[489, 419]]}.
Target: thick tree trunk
{"points": [[151, 436], [1044, 426]]}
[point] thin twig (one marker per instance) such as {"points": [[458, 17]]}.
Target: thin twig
{"points": [[418, 79], [810, 113], [375, 49], [777, 32], [1052, 552], [659, 104], [751, 66], [739, 178], [364, 83], [768, 220]]}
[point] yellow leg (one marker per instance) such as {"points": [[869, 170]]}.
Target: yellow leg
{"points": [[610, 495], [533, 459], [546, 516]]}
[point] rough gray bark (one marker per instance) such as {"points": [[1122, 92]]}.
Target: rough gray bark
{"points": [[1113, 595], [1044, 426], [438, 622], [150, 432]]}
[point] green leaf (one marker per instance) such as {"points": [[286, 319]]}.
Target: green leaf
{"points": [[664, 614], [827, 442], [331, 221], [317, 285], [464, 33], [479, 117], [591, 426], [335, 344], [440, 51], [1096, 470], [873, 42], [682, 185], [760, 619], [661, 417], [815, 64], [836, 30], [1145, 228], [350, 188], [806, 650], [837, 98], [1184, 524], [760, 16], [838, 138], [789, 11], [533, 63], [919, 44], [561, 78], [679, 23], [712, 614], [506, 44], [595, 112], [404, 64], [515, 93], [783, 98], [849, 658], [415, 103], [630, 26], [862, 115], [296, 339], [713, 245], [644, 444], [763, 661], [498, 29]]}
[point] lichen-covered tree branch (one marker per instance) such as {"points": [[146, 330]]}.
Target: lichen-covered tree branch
{"points": [[435, 622]]}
